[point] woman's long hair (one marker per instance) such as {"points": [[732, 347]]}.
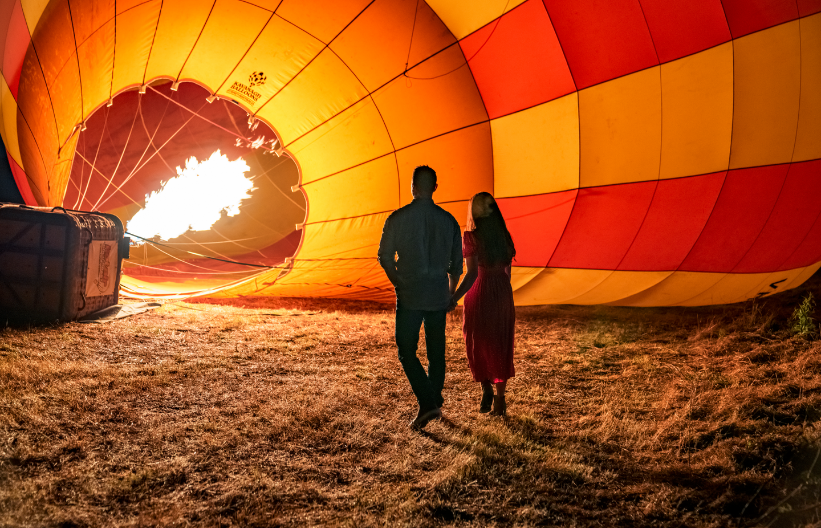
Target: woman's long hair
{"points": [[495, 245]]}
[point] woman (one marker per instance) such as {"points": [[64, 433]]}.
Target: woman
{"points": [[489, 315]]}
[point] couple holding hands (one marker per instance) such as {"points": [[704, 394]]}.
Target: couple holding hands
{"points": [[421, 252]]}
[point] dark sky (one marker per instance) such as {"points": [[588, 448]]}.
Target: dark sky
{"points": [[8, 189]]}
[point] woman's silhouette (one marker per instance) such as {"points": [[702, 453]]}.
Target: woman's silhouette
{"points": [[489, 315]]}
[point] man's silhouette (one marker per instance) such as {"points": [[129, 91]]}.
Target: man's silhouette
{"points": [[428, 243]]}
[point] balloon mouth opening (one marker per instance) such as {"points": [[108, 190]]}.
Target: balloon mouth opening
{"points": [[204, 191]]}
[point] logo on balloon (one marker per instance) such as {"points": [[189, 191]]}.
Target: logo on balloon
{"points": [[257, 79], [245, 92]]}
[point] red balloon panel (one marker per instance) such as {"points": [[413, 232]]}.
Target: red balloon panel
{"points": [[603, 225], [674, 222], [742, 209], [685, 27], [602, 39], [517, 61], [536, 224]]}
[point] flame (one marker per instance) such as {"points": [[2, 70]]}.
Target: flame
{"points": [[195, 199]]}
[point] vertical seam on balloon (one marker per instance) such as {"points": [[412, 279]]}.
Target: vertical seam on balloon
{"points": [[77, 58], [363, 97], [732, 123], [726, 174], [244, 54], [73, 54], [113, 53], [801, 243], [729, 157], [96, 154], [661, 141], [578, 189], [384, 124], [191, 51], [82, 173], [153, 39], [769, 215], [789, 164], [39, 151], [36, 143], [561, 47], [50, 100], [325, 46], [800, 72]]}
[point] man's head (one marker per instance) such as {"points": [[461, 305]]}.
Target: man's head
{"points": [[424, 181]]}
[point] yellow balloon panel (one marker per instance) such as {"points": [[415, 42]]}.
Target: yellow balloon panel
{"points": [[280, 52], [463, 161], [231, 29], [620, 129], [438, 96], [621, 284], [463, 17], [558, 285], [177, 31], [777, 282], [54, 40], [674, 290], [88, 21], [808, 139], [341, 196], [8, 120], [376, 44], [766, 95], [536, 150], [33, 10], [326, 149], [66, 98], [322, 90], [62, 166], [33, 162], [332, 240], [730, 288], [324, 20], [697, 113], [96, 59], [135, 36]]}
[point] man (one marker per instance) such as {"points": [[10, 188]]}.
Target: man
{"points": [[428, 243]]}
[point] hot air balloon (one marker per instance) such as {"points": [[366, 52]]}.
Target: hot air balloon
{"points": [[644, 152]]}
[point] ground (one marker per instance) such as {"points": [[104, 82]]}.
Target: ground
{"points": [[269, 412]]}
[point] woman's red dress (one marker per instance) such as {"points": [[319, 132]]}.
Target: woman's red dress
{"points": [[489, 319]]}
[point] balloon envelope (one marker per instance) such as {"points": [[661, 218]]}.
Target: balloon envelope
{"points": [[643, 152]]}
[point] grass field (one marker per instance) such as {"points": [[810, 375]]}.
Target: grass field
{"points": [[267, 412]]}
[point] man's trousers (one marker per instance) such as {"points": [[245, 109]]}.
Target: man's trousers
{"points": [[427, 386]]}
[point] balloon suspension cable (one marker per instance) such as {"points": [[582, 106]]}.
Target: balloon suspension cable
{"points": [[410, 45], [200, 254], [467, 60]]}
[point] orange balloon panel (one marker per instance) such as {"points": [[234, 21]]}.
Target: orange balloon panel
{"points": [[644, 152]]}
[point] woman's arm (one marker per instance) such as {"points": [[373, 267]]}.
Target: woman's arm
{"points": [[470, 277]]}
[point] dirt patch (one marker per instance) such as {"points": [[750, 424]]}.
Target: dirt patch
{"points": [[265, 412]]}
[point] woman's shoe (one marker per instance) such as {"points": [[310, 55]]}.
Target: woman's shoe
{"points": [[487, 401], [499, 406]]}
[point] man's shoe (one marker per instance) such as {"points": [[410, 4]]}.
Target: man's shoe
{"points": [[423, 418]]}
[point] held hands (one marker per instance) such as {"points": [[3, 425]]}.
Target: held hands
{"points": [[453, 304]]}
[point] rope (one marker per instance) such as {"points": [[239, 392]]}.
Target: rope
{"points": [[199, 254], [467, 61]]}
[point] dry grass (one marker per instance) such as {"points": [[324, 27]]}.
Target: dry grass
{"points": [[294, 412]]}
